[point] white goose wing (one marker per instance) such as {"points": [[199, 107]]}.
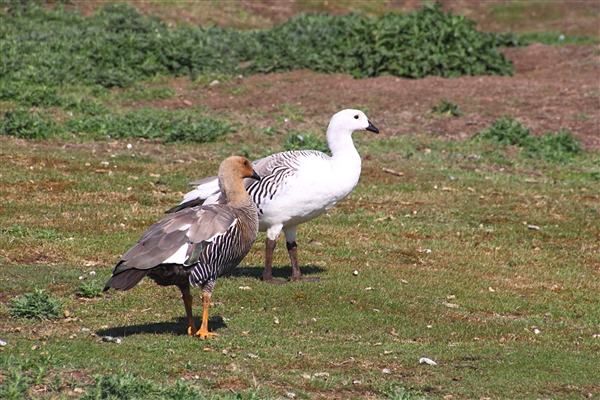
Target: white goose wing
{"points": [[274, 170]]}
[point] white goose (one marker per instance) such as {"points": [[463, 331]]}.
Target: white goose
{"points": [[296, 186]]}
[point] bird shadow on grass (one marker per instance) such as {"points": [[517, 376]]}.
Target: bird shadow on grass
{"points": [[278, 272], [177, 327]]}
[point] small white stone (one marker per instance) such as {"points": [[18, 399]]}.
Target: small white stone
{"points": [[386, 371], [355, 272]]}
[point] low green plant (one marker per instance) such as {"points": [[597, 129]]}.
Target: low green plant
{"points": [[420, 43], [305, 141], [85, 106], [139, 124], [89, 290], [507, 131], [24, 124], [196, 131], [120, 386], [447, 108], [118, 46], [39, 304], [552, 147], [558, 146], [30, 95]]}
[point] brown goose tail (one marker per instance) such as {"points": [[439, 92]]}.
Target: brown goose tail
{"points": [[126, 280]]}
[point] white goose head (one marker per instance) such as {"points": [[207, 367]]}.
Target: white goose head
{"points": [[349, 121], [341, 127]]}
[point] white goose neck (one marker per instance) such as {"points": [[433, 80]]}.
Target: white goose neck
{"points": [[340, 143]]}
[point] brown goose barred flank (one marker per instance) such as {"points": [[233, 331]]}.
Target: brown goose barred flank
{"points": [[197, 245]]}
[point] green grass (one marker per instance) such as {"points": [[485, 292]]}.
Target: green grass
{"points": [[478, 246], [453, 231]]}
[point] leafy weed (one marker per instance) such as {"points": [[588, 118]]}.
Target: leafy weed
{"points": [[447, 108], [552, 147], [39, 304]]}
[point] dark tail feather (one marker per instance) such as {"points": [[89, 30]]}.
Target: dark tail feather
{"points": [[187, 204], [126, 279]]}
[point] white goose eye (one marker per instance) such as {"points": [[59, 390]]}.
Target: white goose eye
{"points": [[356, 116]]}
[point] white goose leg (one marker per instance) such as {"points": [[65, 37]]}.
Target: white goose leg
{"points": [[290, 241]]}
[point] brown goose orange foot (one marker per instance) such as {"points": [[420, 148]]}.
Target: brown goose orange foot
{"points": [[203, 332]]}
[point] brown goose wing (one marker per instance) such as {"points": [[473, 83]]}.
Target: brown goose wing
{"points": [[172, 240]]}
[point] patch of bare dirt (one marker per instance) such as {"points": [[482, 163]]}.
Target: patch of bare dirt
{"points": [[553, 88], [575, 17]]}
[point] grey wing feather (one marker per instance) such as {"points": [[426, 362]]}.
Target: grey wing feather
{"points": [[167, 236]]}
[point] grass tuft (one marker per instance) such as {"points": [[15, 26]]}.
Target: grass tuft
{"points": [[39, 304], [89, 290], [551, 147], [447, 108], [26, 125]]}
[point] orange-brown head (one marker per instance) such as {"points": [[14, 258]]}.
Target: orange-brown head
{"points": [[232, 172]]}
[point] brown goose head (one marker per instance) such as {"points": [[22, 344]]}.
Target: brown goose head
{"points": [[232, 172]]}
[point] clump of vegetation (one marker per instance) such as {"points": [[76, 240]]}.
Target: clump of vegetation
{"points": [[39, 304], [137, 124], [97, 123], [305, 141], [447, 108], [27, 125], [118, 46], [196, 131], [556, 147], [89, 290], [17, 375], [507, 131], [424, 42]]}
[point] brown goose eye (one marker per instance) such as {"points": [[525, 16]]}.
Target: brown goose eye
{"points": [[356, 116], [245, 163]]}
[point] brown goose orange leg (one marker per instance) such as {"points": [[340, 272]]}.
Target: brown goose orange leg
{"points": [[187, 303], [203, 331]]}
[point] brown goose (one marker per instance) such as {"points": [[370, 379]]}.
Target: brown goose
{"points": [[196, 245]]}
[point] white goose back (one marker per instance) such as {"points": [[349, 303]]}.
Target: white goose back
{"points": [[297, 186]]}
